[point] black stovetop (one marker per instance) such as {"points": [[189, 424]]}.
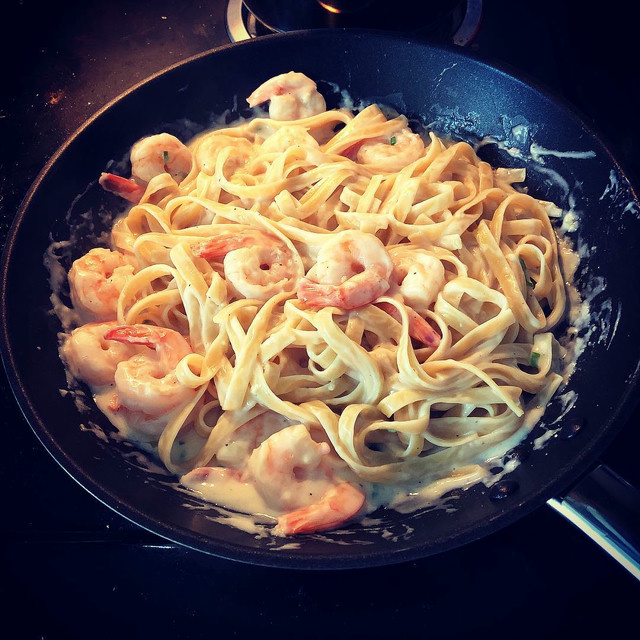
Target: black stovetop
{"points": [[73, 568]]}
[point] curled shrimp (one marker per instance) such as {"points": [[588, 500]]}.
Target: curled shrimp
{"points": [[150, 157], [147, 381], [292, 96], [418, 275], [287, 465], [290, 470], [161, 153], [91, 357], [256, 264], [391, 153], [96, 280], [352, 270]]}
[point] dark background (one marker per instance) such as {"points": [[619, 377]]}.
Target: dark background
{"points": [[70, 567]]}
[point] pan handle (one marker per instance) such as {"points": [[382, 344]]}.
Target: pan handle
{"points": [[607, 508]]}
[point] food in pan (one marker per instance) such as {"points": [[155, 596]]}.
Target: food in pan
{"points": [[313, 313]]}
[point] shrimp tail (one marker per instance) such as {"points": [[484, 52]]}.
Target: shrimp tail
{"points": [[319, 295], [123, 187], [142, 334], [218, 247], [265, 92], [339, 504], [351, 152], [347, 296], [419, 328], [276, 86], [210, 475]]}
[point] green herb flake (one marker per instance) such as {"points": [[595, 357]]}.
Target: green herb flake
{"points": [[393, 140], [165, 157], [533, 360], [527, 279]]}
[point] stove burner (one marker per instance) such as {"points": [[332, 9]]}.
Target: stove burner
{"points": [[455, 22]]}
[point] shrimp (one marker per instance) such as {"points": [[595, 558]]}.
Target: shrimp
{"points": [[236, 450], [339, 504], [256, 264], [147, 382], [123, 187], [201, 475], [419, 277], [353, 269], [219, 246], [207, 148], [289, 469], [150, 156], [91, 357], [292, 96], [161, 153], [419, 328], [96, 280], [287, 465], [288, 137], [391, 153]]}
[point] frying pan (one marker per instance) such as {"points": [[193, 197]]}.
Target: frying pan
{"points": [[457, 95]]}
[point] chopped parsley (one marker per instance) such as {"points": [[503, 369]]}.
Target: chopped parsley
{"points": [[165, 157], [376, 490], [393, 140], [533, 360], [527, 279]]}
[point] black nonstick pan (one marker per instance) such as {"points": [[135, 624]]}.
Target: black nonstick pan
{"points": [[514, 124]]}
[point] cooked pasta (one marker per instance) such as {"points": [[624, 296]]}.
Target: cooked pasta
{"points": [[301, 308]]}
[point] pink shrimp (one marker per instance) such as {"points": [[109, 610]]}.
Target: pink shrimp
{"points": [[292, 96], [256, 264], [418, 276], [391, 153], [201, 475], [289, 469], [237, 449], [150, 157], [124, 187], [289, 466], [219, 246], [90, 357], [353, 269], [338, 505], [147, 382], [419, 328], [388, 153], [351, 151], [96, 280]]}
